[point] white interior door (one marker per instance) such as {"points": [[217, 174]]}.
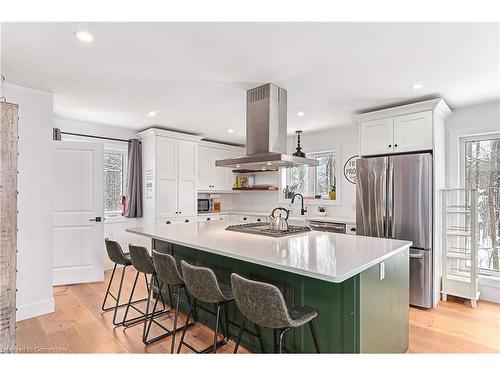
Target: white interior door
{"points": [[77, 212]]}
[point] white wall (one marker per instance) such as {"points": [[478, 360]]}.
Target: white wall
{"points": [[34, 278], [345, 141], [467, 121], [114, 228]]}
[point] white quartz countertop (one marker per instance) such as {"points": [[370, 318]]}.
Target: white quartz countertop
{"points": [[321, 255]]}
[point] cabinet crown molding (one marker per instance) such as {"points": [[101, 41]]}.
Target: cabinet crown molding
{"points": [[439, 106], [169, 134]]}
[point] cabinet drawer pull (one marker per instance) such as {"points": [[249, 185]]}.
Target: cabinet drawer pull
{"points": [[390, 146]]}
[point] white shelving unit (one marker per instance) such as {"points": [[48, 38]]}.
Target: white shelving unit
{"points": [[460, 239]]}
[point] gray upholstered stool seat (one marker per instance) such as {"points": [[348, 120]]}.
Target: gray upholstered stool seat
{"points": [[264, 305], [118, 257], [143, 263], [203, 286], [301, 315]]}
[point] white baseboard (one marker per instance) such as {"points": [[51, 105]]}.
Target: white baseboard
{"points": [[489, 288], [35, 309]]}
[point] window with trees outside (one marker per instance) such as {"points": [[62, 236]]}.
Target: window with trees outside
{"points": [[114, 182], [312, 182], [482, 172]]}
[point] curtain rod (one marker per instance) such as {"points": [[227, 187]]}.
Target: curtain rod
{"points": [[58, 138]]}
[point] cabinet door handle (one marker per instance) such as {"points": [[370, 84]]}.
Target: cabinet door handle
{"points": [[396, 145], [244, 218], [97, 219], [208, 218], [390, 146], [168, 222], [259, 220], [186, 221]]}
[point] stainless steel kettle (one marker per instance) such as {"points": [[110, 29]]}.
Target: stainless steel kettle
{"points": [[277, 222]]}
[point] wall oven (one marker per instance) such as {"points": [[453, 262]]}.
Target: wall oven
{"points": [[205, 205]]}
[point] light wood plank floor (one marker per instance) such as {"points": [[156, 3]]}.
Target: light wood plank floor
{"points": [[79, 326]]}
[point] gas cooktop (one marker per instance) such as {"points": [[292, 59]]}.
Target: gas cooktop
{"points": [[264, 230]]}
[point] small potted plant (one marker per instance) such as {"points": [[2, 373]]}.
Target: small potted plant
{"points": [[321, 210], [333, 190]]}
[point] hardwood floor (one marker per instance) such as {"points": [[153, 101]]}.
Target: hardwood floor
{"points": [[79, 326]]}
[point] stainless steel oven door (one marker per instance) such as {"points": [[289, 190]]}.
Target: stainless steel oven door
{"points": [[421, 278]]}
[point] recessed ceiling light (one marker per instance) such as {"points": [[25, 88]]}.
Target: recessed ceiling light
{"points": [[152, 113], [301, 114], [230, 130], [417, 86], [84, 36]]}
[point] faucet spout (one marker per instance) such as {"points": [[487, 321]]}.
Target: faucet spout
{"points": [[302, 209]]}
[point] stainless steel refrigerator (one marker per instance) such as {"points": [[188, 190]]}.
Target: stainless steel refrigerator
{"points": [[394, 200]]}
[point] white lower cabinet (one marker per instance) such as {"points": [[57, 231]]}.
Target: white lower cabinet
{"points": [[214, 217], [176, 220], [252, 219]]}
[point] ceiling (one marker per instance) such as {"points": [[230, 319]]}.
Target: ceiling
{"points": [[195, 74]]}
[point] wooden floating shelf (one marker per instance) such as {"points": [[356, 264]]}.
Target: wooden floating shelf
{"points": [[254, 170], [256, 188]]}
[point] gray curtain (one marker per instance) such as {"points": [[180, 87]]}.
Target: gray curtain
{"points": [[134, 180]]}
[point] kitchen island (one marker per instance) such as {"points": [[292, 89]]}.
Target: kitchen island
{"points": [[359, 285]]}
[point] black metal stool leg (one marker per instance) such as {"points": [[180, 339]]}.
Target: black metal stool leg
{"points": [[124, 321], [314, 336], [226, 326], [103, 308], [144, 330], [216, 333], [118, 297], [186, 325], [175, 318], [275, 341], [239, 335], [259, 336]]}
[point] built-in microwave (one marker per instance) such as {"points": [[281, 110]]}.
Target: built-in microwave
{"points": [[205, 205]]}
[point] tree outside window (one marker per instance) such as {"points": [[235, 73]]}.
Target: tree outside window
{"points": [[312, 182], [482, 171], [113, 183]]}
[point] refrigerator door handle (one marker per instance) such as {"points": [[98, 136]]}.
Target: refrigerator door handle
{"points": [[390, 201]]}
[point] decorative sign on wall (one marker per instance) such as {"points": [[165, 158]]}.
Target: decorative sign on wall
{"points": [[149, 183], [350, 169]]}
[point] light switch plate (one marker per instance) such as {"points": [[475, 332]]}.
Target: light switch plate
{"points": [[381, 269]]}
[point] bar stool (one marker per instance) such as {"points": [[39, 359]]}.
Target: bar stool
{"points": [[264, 305], [202, 284], [167, 272], [143, 263], [118, 257]]}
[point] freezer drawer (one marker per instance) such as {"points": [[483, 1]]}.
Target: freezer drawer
{"points": [[421, 278]]}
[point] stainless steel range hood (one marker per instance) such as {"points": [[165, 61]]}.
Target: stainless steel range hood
{"points": [[266, 141]]}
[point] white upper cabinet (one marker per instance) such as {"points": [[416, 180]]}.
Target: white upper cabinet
{"points": [[407, 128], [413, 132], [210, 177], [204, 167], [376, 136]]}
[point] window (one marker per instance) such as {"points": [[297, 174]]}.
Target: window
{"points": [[114, 181], [312, 182], [482, 171]]}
